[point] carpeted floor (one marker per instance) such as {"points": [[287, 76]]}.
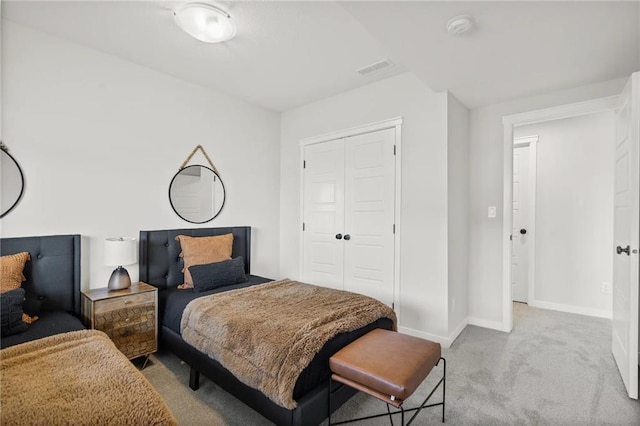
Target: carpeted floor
{"points": [[552, 369]]}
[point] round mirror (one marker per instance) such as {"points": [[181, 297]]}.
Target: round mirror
{"points": [[12, 184], [196, 194]]}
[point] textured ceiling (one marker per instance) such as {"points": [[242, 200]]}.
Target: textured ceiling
{"points": [[287, 54]]}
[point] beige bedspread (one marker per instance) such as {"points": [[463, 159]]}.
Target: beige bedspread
{"points": [[268, 333], [76, 378]]}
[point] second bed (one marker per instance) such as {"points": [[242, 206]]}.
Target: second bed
{"points": [[331, 319]]}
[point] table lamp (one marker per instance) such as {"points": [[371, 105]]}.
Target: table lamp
{"points": [[118, 252]]}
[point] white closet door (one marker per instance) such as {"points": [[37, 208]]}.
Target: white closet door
{"points": [[323, 204], [369, 214]]}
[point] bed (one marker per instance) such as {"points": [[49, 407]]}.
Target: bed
{"points": [[57, 354], [52, 286], [162, 266]]}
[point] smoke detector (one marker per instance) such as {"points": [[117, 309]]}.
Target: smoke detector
{"points": [[459, 25]]}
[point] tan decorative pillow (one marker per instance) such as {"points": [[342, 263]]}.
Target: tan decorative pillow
{"points": [[11, 267], [203, 250], [12, 276]]}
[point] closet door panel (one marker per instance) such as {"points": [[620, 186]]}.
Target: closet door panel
{"points": [[323, 209], [369, 214]]}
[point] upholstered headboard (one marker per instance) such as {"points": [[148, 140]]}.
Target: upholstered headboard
{"points": [[160, 261], [53, 273]]}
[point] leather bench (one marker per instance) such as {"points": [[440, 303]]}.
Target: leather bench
{"points": [[388, 366]]}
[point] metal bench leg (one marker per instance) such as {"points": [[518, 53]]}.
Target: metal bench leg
{"points": [[329, 417], [444, 384], [390, 416], [194, 379]]}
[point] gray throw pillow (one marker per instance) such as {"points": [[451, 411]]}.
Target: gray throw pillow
{"points": [[11, 312], [218, 274]]}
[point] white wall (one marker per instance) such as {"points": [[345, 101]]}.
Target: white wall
{"points": [[1, 94], [99, 140], [574, 212], [423, 287], [458, 212], [486, 186]]}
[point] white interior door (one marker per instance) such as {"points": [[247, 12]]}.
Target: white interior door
{"points": [[323, 205], [520, 247], [626, 236], [369, 214]]}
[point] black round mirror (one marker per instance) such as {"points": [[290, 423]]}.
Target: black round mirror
{"points": [[12, 183], [196, 194]]}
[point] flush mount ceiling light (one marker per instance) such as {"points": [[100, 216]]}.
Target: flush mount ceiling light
{"points": [[205, 22], [459, 25]]}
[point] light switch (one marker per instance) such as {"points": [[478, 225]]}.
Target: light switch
{"points": [[492, 211]]}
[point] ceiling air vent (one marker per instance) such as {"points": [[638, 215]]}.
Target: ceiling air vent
{"points": [[369, 69]]}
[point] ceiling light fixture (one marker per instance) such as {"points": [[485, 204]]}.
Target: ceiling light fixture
{"points": [[205, 22], [459, 25]]}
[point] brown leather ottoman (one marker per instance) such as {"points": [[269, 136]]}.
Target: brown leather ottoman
{"points": [[389, 366]]}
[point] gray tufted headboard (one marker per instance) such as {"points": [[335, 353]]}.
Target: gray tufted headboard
{"points": [[53, 273], [160, 261]]}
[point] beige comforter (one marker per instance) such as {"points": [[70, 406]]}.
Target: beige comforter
{"points": [[76, 378], [268, 333]]}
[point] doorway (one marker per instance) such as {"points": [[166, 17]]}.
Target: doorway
{"points": [[519, 121], [626, 138]]}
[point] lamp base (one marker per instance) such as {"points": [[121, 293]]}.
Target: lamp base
{"points": [[119, 279]]}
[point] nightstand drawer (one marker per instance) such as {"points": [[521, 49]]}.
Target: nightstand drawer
{"points": [[118, 303]]}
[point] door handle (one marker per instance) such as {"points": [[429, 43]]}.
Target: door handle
{"points": [[338, 236], [523, 231], [621, 250], [347, 237]]}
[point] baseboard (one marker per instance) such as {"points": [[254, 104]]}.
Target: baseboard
{"points": [[456, 332], [571, 309], [444, 341], [423, 335], [494, 325]]}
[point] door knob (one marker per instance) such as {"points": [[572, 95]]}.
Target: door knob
{"points": [[347, 237], [338, 236], [621, 250], [523, 231]]}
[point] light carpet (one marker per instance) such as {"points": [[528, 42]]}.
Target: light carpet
{"points": [[554, 368]]}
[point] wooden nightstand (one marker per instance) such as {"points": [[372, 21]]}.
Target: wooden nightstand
{"points": [[129, 317]]}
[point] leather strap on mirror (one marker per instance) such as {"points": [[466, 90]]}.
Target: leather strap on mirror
{"points": [[199, 147]]}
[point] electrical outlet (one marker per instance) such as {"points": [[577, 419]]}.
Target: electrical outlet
{"points": [[606, 287], [491, 211]]}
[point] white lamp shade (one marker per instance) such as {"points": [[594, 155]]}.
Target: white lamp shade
{"points": [[120, 251], [205, 22]]}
